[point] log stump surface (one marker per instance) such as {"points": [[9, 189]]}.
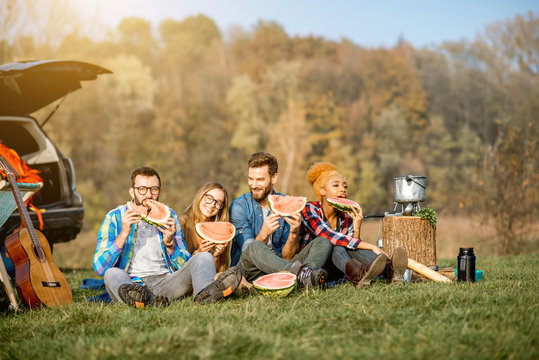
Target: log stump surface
{"points": [[413, 233]]}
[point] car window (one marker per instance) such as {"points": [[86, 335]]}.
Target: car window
{"points": [[17, 137]]}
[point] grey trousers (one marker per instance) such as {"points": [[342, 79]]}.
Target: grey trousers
{"points": [[341, 255], [197, 273], [258, 259]]}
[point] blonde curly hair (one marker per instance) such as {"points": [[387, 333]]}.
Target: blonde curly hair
{"points": [[318, 175]]}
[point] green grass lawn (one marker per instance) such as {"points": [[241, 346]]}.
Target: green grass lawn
{"points": [[493, 318]]}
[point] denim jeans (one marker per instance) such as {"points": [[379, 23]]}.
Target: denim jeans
{"points": [[258, 259], [197, 273], [341, 255]]}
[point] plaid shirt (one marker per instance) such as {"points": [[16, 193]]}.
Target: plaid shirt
{"points": [[108, 255], [316, 225]]}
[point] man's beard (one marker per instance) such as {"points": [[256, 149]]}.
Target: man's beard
{"points": [[140, 202], [264, 195]]}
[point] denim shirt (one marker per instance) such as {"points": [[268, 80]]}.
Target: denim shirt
{"points": [[246, 215]]}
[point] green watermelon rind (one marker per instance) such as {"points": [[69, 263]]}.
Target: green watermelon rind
{"points": [[275, 293], [270, 203], [341, 207], [155, 222], [199, 233]]}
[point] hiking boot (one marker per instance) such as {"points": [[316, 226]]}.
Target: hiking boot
{"points": [[222, 287], [139, 296], [361, 274], [134, 295], [308, 277], [397, 266], [159, 301], [244, 287]]}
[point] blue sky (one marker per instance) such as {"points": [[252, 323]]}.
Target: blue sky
{"points": [[368, 23]]}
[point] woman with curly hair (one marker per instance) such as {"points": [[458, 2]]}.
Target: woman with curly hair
{"points": [[210, 203], [357, 259]]}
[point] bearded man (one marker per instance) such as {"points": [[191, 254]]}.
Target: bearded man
{"points": [[266, 242]]}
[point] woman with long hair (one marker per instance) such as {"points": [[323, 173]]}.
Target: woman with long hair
{"points": [[357, 259], [210, 203]]}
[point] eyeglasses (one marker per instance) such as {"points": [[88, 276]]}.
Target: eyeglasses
{"points": [[208, 199], [154, 190]]}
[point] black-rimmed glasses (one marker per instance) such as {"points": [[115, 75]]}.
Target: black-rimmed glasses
{"points": [[154, 190], [218, 204]]}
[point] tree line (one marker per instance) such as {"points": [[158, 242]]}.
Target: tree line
{"points": [[195, 102]]}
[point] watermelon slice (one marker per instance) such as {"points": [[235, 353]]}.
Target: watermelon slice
{"points": [[276, 285], [286, 205], [220, 232], [157, 215], [342, 204]]}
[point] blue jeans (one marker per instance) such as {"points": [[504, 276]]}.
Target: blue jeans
{"points": [[341, 255], [197, 273], [258, 259]]}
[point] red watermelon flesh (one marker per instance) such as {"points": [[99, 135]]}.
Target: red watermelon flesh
{"points": [[156, 210], [342, 204], [276, 281], [217, 231], [286, 205]]}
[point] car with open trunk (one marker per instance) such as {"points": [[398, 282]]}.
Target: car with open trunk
{"points": [[26, 87]]}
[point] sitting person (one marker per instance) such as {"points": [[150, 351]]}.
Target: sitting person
{"points": [[210, 203], [359, 260], [144, 264], [268, 243]]}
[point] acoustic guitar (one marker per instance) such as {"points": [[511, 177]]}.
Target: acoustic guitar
{"points": [[39, 281]]}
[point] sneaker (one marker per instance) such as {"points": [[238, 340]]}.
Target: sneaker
{"points": [[134, 295], [308, 277], [222, 287]]}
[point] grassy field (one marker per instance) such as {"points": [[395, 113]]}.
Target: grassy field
{"points": [[496, 318]]}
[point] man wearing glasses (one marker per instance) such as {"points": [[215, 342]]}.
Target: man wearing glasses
{"points": [[147, 265], [267, 243]]}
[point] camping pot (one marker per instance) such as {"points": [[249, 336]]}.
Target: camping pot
{"points": [[410, 189]]}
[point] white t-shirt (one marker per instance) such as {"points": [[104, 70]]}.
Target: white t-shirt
{"points": [[266, 211], [148, 258]]}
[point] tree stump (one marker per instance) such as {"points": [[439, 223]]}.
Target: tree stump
{"points": [[413, 233]]}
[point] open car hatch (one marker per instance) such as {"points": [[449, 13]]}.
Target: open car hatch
{"points": [[26, 87]]}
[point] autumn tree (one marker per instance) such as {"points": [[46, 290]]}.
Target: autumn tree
{"points": [[253, 53], [250, 130], [135, 38], [507, 188]]}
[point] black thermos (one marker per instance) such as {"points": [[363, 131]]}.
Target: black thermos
{"points": [[466, 264]]}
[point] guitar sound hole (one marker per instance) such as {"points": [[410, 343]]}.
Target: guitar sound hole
{"points": [[38, 251]]}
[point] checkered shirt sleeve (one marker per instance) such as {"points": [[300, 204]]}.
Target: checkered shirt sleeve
{"points": [[315, 226]]}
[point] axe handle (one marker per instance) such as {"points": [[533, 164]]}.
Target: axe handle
{"points": [[427, 272]]}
